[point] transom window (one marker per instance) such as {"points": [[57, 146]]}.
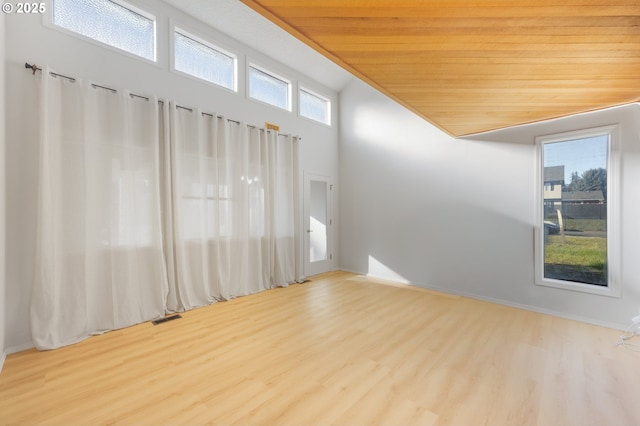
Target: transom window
{"points": [[114, 23], [203, 60], [314, 106], [577, 233], [269, 88]]}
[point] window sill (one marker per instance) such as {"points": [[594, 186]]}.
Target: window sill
{"points": [[609, 291]]}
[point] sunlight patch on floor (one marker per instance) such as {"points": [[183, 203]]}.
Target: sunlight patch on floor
{"points": [[380, 270]]}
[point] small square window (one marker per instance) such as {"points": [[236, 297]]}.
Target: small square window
{"points": [[204, 61], [314, 107], [267, 87], [116, 24]]}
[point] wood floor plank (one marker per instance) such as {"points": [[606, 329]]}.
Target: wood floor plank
{"points": [[341, 349]]}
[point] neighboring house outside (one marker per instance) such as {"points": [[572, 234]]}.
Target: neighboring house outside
{"points": [[583, 197], [575, 204], [584, 205], [553, 183]]}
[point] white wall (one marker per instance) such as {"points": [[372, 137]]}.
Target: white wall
{"points": [[2, 189], [420, 207], [36, 43]]}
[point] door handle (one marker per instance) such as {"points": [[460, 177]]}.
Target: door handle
{"points": [[309, 230]]}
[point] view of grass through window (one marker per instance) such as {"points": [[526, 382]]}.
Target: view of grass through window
{"points": [[575, 210]]}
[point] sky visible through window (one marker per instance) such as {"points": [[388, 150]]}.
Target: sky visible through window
{"points": [[577, 155]]}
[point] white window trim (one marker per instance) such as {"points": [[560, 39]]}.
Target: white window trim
{"points": [[302, 88], [613, 213], [251, 64], [48, 22], [189, 34]]}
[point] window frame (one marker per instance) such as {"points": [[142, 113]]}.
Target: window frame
{"points": [[302, 88], [613, 212], [189, 34], [224, 232], [49, 22], [288, 81]]}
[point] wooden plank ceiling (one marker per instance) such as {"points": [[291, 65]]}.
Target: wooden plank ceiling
{"points": [[470, 66]]}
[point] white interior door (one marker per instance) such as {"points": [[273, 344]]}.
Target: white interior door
{"points": [[318, 257]]}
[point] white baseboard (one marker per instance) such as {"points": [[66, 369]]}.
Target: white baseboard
{"points": [[13, 350], [526, 307], [537, 309], [395, 281], [350, 270], [19, 348]]}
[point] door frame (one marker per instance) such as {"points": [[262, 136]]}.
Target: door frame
{"points": [[318, 267]]}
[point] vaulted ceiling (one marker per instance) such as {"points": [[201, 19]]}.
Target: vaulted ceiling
{"points": [[469, 66]]}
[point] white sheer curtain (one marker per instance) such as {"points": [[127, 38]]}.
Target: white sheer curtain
{"points": [[235, 208], [100, 264], [146, 209]]}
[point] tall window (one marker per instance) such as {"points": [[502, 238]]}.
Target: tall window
{"points": [[207, 62], [577, 236], [114, 23], [270, 88], [314, 106]]}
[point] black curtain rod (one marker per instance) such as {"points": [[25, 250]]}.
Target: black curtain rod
{"points": [[210, 115], [35, 68]]}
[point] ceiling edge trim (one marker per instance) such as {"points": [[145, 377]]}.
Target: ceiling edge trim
{"points": [[472, 136]]}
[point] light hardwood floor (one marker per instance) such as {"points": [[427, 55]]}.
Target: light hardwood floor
{"points": [[341, 349]]}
